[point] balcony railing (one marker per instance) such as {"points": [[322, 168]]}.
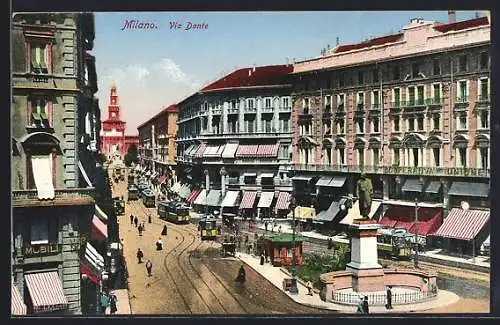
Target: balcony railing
{"points": [[483, 99], [375, 106], [267, 109], [399, 170], [68, 196], [233, 110], [413, 103], [285, 109], [396, 105], [462, 100], [438, 101]]}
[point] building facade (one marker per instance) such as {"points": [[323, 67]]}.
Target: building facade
{"points": [[411, 110], [55, 121], [157, 146], [234, 141], [114, 142]]}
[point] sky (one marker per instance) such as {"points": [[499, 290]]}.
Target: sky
{"points": [[156, 67]]}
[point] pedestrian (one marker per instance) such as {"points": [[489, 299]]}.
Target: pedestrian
{"points": [[140, 255], [330, 243], [164, 231], [265, 225], [219, 230], [389, 298], [366, 309], [149, 267], [241, 275], [143, 224], [136, 221], [262, 259], [149, 218], [140, 229], [131, 219], [279, 229], [159, 244], [112, 304], [309, 288], [360, 310]]}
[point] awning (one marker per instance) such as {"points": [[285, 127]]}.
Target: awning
{"points": [[287, 238], [353, 213], [42, 173], [412, 185], [337, 181], [267, 150], [94, 264], [247, 150], [84, 174], [433, 187], [193, 150], [193, 196], [283, 201], [99, 230], [324, 181], [463, 224], [103, 216], [266, 199], [162, 179], [17, 305], [214, 198], [200, 151], [469, 189], [189, 149], [248, 199], [201, 198], [304, 213], [211, 151], [230, 199], [302, 178], [220, 150], [266, 175], [397, 216], [46, 291], [230, 150], [184, 191], [249, 174], [176, 187], [330, 214]]}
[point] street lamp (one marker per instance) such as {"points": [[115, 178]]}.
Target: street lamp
{"points": [[293, 287], [465, 206]]}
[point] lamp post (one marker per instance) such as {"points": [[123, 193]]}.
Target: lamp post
{"points": [[293, 287]]}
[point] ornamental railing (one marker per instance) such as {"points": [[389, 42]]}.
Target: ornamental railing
{"points": [[380, 298]]}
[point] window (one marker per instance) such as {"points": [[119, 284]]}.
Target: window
{"points": [[249, 123], [462, 121], [327, 127], [396, 74], [420, 95], [251, 103], [436, 67], [233, 125], [436, 122], [462, 91], [45, 166], [39, 230], [397, 96], [40, 112], [286, 102], [268, 103], [328, 102], [420, 122], [340, 102], [360, 126], [361, 156], [375, 156], [483, 90], [40, 57], [285, 123], [233, 104], [484, 60], [305, 103], [411, 124], [341, 156], [462, 63], [360, 77], [396, 123], [395, 156], [415, 70], [436, 88], [328, 83], [328, 156], [375, 75], [375, 99], [484, 117], [411, 96], [340, 127], [436, 155], [484, 158], [361, 101], [376, 125], [415, 152], [250, 180], [267, 124], [284, 151], [462, 157], [204, 123]]}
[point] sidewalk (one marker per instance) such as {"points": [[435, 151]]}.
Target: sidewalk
{"points": [[275, 275], [122, 302]]}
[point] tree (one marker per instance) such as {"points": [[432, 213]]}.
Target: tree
{"points": [[131, 156]]}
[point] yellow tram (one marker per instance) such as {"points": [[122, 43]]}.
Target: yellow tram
{"points": [[208, 228]]}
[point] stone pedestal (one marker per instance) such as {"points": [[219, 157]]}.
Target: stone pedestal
{"points": [[368, 275]]}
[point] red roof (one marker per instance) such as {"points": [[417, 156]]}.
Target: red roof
{"points": [[252, 77], [170, 109], [429, 219], [370, 43], [462, 24]]}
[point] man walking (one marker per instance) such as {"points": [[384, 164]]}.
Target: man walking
{"points": [[149, 267], [131, 219], [265, 225], [136, 221], [140, 255], [112, 304], [389, 298], [366, 309], [140, 229]]}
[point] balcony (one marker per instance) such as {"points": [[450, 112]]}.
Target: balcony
{"points": [[267, 109], [249, 110], [285, 109], [415, 104], [246, 135], [462, 103], [434, 104], [67, 196], [216, 111], [305, 115], [396, 106], [483, 102], [398, 170]]}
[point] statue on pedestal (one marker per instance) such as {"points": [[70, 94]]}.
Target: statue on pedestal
{"points": [[365, 195]]}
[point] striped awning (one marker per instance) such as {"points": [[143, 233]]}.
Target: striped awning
{"points": [[192, 196], [324, 181], [267, 150], [283, 201], [201, 198], [230, 199], [192, 150], [93, 264], [200, 151], [18, 307], [214, 198], [99, 230], [189, 149], [46, 291], [463, 224], [103, 216], [247, 150], [266, 199], [184, 191], [248, 199], [230, 150], [211, 151]]}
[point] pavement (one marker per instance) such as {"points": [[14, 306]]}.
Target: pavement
{"points": [[276, 275], [122, 302]]}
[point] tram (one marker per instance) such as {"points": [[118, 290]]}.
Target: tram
{"points": [[208, 228], [148, 198], [175, 212], [394, 243], [133, 193]]}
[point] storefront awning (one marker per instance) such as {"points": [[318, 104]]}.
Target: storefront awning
{"points": [[412, 185], [287, 238], [184, 191], [337, 181], [176, 187], [353, 213], [304, 213], [201, 198], [46, 291], [18, 307], [230, 199], [103, 216], [189, 150], [248, 199], [481, 190], [230, 150], [192, 196], [330, 214], [302, 178], [324, 181], [434, 187], [247, 150], [211, 151], [266, 199], [42, 174], [463, 224], [267, 150], [200, 151], [283, 201], [99, 230], [266, 175], [93, 264], [214, 198], [397, 216]]}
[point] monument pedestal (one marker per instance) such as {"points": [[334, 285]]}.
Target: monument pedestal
{"points": [[368, 275]]}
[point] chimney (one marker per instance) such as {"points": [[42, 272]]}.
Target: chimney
{"points": [[452, 16]]}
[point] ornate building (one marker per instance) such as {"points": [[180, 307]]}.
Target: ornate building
{"points": [[114, 142]]}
